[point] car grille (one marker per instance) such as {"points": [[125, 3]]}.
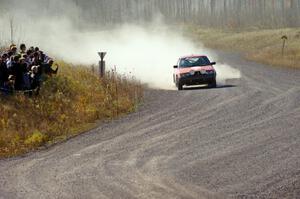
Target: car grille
{"points": [[198, 73]]}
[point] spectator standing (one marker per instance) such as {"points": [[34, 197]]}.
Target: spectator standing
{"points": [[3, 71], [13, 49], [17, 70], [22, 51], [47, 68], [24, 69]]}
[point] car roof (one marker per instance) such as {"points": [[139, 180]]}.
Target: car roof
{"points": [[192, 56]]}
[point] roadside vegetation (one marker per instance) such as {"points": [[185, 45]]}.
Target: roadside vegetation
{"points": [[70, 103], [261, 45]]}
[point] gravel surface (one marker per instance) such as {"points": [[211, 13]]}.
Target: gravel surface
{"points": [[240, 140]]}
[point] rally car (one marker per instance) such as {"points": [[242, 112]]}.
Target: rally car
{"points": [[194, 70]]}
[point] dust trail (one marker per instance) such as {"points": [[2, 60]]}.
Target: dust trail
{"points": [[226, 72], [148, 53]]}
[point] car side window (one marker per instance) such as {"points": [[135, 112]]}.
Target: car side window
{"points": [[182, 63]]}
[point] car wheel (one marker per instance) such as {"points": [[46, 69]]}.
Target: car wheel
{"points": [[179, 86], [213, 84]]}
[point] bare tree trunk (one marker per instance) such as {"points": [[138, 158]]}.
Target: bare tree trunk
{"points": [[11, 23]]}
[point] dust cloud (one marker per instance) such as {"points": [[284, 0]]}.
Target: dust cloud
{"points": [[226, 72], [146, 52]]}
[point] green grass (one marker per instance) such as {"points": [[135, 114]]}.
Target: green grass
{"points": [[261, 45], [70, 103]]}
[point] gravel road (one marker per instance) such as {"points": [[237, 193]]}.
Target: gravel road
{"points": [[241, 140]]}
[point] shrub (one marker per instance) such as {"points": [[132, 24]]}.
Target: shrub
{"points": [[68, 104], [35, 139]]}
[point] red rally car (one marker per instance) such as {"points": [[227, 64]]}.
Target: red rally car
{"points": [[194, 70]]}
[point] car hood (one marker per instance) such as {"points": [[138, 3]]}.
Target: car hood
{"points": [[196, 68]]}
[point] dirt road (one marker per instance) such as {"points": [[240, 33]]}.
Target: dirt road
{"points": [[241, 140]]}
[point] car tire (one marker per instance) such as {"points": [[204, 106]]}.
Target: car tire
{"points": [[179, 86], [213, 84]]}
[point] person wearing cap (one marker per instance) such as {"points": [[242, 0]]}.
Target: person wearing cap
{"points": [[34, 77], [24, 64], [13, 49], [11, 46], [9, 86]]}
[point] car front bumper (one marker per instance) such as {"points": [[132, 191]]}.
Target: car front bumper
{"points": [[197, 79]]}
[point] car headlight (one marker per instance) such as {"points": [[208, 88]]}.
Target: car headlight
{"points": [[203, 72], [210, 72], [192, 72], [185, 74]]}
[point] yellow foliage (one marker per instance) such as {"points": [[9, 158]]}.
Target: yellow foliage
{"points": [[67, 103], [35, 139], [260, 45]]}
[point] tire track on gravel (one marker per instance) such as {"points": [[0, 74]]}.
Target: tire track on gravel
{"points": [[239, 141]]}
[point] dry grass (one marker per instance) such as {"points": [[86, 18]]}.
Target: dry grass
{"points": [[264, 46], [68, 104]]}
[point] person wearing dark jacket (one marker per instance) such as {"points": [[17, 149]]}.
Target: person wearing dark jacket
{"points": [[3, 71], [35, 77], [47, 68], [17, 70]]}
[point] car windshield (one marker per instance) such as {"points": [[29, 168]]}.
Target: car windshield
{"points": [[194, 61]]}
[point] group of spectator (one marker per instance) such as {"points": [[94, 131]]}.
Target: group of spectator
{"points": [[24, 69]]}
